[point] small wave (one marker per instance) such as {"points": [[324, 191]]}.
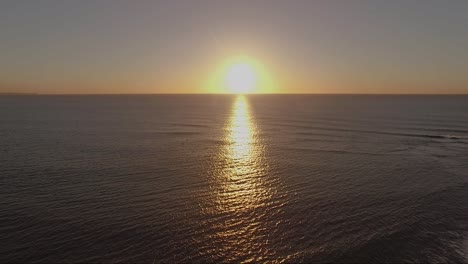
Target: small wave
{"points": [[427, 136], [380, 132], [188, 125], [455, 137], [182, 133], [339, 151]]}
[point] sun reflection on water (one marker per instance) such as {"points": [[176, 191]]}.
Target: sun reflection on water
{"points": [[242, 150], [242, 193], [243, 186]]}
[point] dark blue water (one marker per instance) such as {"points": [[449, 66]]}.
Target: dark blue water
{"points": [[213, 178]]}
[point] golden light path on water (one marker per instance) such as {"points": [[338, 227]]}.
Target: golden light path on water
{"points": [[241, 136], [243, 191], [244, 186]]}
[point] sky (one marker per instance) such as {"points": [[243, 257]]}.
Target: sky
{"points": [[175, 46]]}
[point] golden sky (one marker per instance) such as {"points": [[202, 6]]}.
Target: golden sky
{"points": [[208, 46]]}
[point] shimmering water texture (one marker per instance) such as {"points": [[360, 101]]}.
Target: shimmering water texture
{"points": [[218, 178]]}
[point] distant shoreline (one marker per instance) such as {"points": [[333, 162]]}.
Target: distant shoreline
{"points": [[2, 94]]}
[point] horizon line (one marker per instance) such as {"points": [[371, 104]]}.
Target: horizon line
{"points": [[104, 94]]}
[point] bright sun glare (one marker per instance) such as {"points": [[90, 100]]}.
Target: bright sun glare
{"points": [[241, 78], [241, 75]]}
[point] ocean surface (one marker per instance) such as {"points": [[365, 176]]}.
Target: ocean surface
{"points": [[224, 178]]}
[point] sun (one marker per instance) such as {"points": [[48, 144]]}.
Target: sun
{"points": [[240, 75], [241, 78]]}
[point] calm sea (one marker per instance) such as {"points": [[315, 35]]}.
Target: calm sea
{"points": [[218, 178]]}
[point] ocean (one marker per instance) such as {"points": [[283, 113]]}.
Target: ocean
{"points": [[226, 178]]}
